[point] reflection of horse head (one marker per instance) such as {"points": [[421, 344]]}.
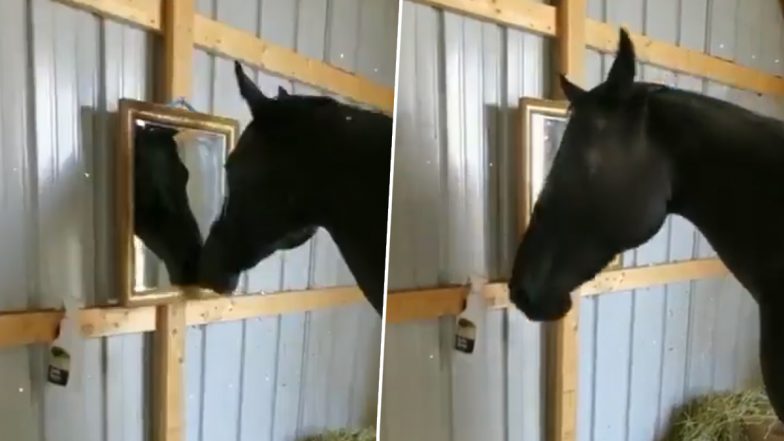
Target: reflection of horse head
{"points": [[162, 216]]}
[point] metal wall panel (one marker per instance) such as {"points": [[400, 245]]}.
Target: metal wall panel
{"points": [[273, 378], [458, 87], [453, 217]]}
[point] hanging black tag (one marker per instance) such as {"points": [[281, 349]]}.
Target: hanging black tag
{"points": [[465, 337], [59, 363]]}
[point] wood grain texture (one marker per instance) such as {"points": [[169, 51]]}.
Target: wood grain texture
{"points": [[33, 327], [219, 38], [168, 397], [168, 382], [603, 37], [234, 43], [563, 342], [36, 327], [178, 48]]}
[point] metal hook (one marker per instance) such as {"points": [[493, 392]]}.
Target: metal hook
{"points": [[181, 101]]}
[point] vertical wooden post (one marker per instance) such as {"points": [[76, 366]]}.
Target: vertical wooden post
{"points": [[564, 338], [168, 395]]}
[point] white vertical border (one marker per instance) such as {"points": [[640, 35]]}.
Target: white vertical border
{"points": [[379, 395]]}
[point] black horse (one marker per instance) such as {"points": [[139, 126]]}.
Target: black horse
{"points": [[162, 216], [631, 154], [303, 162]]}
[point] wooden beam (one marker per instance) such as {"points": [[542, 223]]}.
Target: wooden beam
{"points": [[425, 304], [430, 303], [627, 279], [563, 340], [170, 327], [570, 47], [178, 48], [168, 379], [28, 327], [604, 37], [221, 39], [143, 13], [223, 309], [541, 18], [536, 17], [32, 327], [40, 327], [233, 43]]}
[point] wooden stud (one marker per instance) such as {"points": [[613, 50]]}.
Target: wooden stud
{"points": [[562, 336], [178, 18], [168, 382], [168, 394], [570, 47]]}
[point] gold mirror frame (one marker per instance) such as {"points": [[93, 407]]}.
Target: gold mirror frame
{"points": [[129, 111], [557, 109]]}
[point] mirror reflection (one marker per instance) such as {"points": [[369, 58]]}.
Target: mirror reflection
{"points": [[178, 191]]}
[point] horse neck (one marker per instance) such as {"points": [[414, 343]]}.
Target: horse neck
{"points": [[728, 180], [357, 207]]}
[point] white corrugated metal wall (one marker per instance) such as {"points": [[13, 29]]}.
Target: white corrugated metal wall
{"points": [[275, 378], [642, 352]]}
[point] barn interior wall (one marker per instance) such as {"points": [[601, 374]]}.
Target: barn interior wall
{"points": [[642, 353], [272, 378]]}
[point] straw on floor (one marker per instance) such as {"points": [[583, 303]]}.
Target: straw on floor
{"points": [[346, 435], [721, 416]]}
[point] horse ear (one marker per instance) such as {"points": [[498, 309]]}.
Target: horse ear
{"points": [[570, 90], [248, 89], [622, 72], [282, 93]]}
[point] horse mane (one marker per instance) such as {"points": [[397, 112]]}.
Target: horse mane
{"points": [[305, 102], [373, 125], [722, 118]]}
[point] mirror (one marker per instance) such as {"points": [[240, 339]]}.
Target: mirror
{"points": [[543, 124], [170, 188]]}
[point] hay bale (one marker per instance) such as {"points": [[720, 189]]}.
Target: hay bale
{"points": [[368, 434], [722, 417]]}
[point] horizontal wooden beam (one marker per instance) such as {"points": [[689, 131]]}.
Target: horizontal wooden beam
{"points": [[541, 18], [627, 279], [425, 304], [221, 39], [604, 37], [536, 17], [31, 327], [432, 303], [234, 43]]}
